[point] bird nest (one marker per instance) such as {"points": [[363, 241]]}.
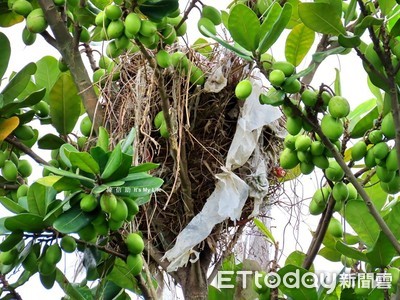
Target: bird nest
{"points": [[205, 125]]}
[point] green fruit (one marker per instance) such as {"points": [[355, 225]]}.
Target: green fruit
{"points": [[115, 29], [48, 280], [22, 191], [391, 162], [46, 268], [163, 59], [212, 14], [334, 172], [276, 77], [30, 262], [68, 244], [335, 228], [134, 243], [294, 125], [113, 12], [88, 203], [290, 141], [62, 66], [122, 43], [108, 202], [392, 187], [326, 97], [104, 62], [28, 37], [292, 86], [243, 89], [286, 67], [304, 156], [206, 27], [35, 21], [24, 168], [331, 127], [288, 159], [303, 142], [42, 109], [181, 31], [395, 272], [387, 126], [179, 60], [102, 20], [321, 162], [112, 50], [359, 150], [159, 119], [381, 150], [375, 136], [88, 233], [134, 263], [53, 254], [133, 208], [8, 257], [59, 2], [338, 107], [347, 261], [352, 191], [360, 290], [86, 126], [369, 159], [120, 213], [315, 208], [85, 35], [164, 130], [306, 168], [149, 42], [9, 171], [317, 148], [169, 35], [148, 28], [24, 132], [115, 225], [309, 98], [196, 76], [22, 7], [321, 196], [3, 158], [82, 140], [175, 13], [340, 192], [384, 175]]}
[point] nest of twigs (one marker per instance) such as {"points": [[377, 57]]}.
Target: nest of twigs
{"points": [[205, 124]]}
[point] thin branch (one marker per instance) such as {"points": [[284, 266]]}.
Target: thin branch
{"points": [[6, 287], [187, 12], [15, 142], [89, 53], [322, 45], [49, 39]]}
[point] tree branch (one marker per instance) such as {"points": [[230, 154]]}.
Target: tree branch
{"points": [[6, 287], [16, 143]]}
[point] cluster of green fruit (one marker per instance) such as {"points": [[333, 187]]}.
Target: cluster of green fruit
{"points": [[11, 166], [210, 17], [280, 76], [135, 245], [160, 124]]}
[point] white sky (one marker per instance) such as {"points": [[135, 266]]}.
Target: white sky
{"points": [[354, 88]]}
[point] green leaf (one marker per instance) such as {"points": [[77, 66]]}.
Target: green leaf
{"points": [[318, 57], [39, 198], [84, 16], [300, 292], [365, 23], [113, 163], [100, 156], [158, 9], [276, 30], [65, 104], [264, 230], [101, 4], [25, 222], [350, 251], [85, 162], [203, 47], [9, 19], [330, 254], [357, 215], [140, 187], [47, 74], [11, 241], [143, 167], [103, 139], [273, 97], [298, 43], [375, 192], [377, 93], [72, 220], [128, 141], [65, 151], [60, 205], [294, 19], [30, 100], [337, 84], [50, 141], [5, 52], [362, 109], [11, 205], [18, 83], [350, 12], [393, 221], [244, 33], [67, 184], [122, 276], [347, 41], [381, 253], [359, 127], [321, 17], [296, 258], [69, 289], [386, 6], [69, 174]]}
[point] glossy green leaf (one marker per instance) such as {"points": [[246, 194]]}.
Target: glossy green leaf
{"points": [[318, 57], [349, 41], [84, 16], [264, 230], [362, 109], [39, 198], [30, 100], [330, 254], [337, 87], [321, 17], [272, 16], [72, 220], [375, 192], [11, 241], [113, 163], [69, 174], [5, 52], [67, 184], [128, 141], [65, 104], [273, 97], [362, 222], [298, 43], [11, 205], [359, 127], [203, 47], [50, 141], [18, 83], [61, 204], [103, 139], [393, 221], [144, 167], [121, 275], [296, 258], [244, 33], [350, 12], [100, 156], [69, 289], [157, 9], [101, 4], [350, 251], [377, 93], [47, 74], [365, 23], [294, 19], [9, 19], [382, 252], [300, 292], [395, 31], [65, 151], [25, 222], [386, 6], [85, 162], [272, 36]]}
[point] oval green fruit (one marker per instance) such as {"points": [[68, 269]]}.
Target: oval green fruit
{"points": [[292, 86], [303, 142], [395, 272], [28, 37], [112, 50], [9, 171], [392, 187], [159, 119], [306, 168], [108, 202], [196, 76], [276, 77], [30, 262], [340, 192], [169, 35], [164, 130], [68, 244], [332, 127], [181, 30], [48, 280], [309, 97], [243, 89], [321, 196], [120, 213], [88, 233], [3, 158], [321, 161], [206, 27], [86, 126], [42, 109], [335, 228], [134, 263], [286, 67], [22, 7], [22, 191], [359, 150], [212, 14], [334, 172], [175, 13], [35, 21], [391, 162], [8, 257], [315, 208], [369, 159], [387, 126], [24, 132], [88, 203], [384, 174], [288, 159], [290, 141], [163, 59], [134, 243], [53, 254], [102, 20], [267, 60], [352, 191], [179, 60], [380, 150], [317, 148], [133, 208], [375, 136], [148, 28], [294, 125], [113, 12], [115, 29], [304, 156], [24, 168], [338, 107]]}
